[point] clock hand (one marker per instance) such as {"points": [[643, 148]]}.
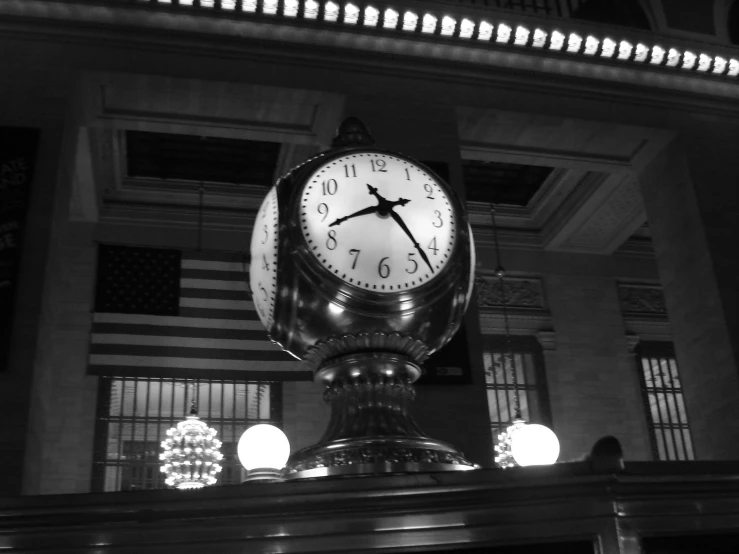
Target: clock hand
{"points": [[403, 226], [373, 192], [365, 211]]}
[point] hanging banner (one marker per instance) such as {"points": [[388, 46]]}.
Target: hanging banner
{"points": [[17, 157]]}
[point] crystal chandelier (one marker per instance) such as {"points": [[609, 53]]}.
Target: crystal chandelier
{"points": [[191, 453], [521, 443]]}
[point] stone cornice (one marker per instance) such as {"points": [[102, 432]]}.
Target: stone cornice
{"points": [[634, 60]]}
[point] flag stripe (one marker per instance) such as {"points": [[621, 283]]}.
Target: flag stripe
{"points": [[205, 313], [214, 294], [184, 352], [216, 330], [263, 371], [103, 329], [215, 274], [166, 320], [176, 341]]}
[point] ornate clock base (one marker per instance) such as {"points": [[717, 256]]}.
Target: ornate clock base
{"points": [[371, 431]]}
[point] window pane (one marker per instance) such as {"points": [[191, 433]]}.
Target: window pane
{"points": [[664, 400], [132, 422], [530, 385]]}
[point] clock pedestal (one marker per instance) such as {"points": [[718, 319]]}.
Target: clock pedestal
{"points": [[371, 430]]}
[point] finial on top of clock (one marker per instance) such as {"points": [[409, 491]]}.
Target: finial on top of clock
{"points": [[352, 132]]}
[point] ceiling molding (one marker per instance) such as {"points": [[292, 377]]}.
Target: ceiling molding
{"points": [[173, 105]]}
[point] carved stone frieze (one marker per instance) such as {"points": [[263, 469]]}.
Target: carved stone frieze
{"points": [[524, 293], [642, 299]]}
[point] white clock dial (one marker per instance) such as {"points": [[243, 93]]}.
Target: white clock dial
{"points": [[378, 222], [263, 266]]}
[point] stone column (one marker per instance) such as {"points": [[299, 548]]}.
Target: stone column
{"points": [[690, 194]]}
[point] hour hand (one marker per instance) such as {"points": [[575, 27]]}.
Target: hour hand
{"points": [[365, 211], [373, 192]]}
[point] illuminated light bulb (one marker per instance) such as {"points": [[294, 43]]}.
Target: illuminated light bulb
{"points": [[228, 4], [390, 20], [371, 16], [534, 444], [335, 309], [428, 23], [310, 9], [269, 7], [162, 1], [331, 11], [504, 33], [591, 45], [485, 31], [658, 54], [689, 60], [448, 24], [540, 38], [466, 28], [608, 49], [290, 8], [719, 65], [624, 50], [574, 41], [522, 36], [410, 21], [206, 3], [673, 57], [557, 42], [733, 68], [642, 53], [704, 62], [263, 446], [249, 5], [351, 14]]}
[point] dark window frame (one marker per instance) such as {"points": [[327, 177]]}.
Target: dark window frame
{"points": [[141, 471], [652, 353], [523, 346]]}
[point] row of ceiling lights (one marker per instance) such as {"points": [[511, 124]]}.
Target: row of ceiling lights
{"points": [[482, 31]]}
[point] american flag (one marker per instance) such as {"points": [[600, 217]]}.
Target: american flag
{"points": [[171, 313]]}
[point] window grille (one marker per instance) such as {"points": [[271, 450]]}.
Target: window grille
{"points": [[664, 403], [133, 415], [531, 386]]}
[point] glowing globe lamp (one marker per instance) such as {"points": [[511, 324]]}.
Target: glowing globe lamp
{"points": [[263, 450], [526, 444], [534, 444]]}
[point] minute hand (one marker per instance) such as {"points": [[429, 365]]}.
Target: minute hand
{"points": [[403, 226]]}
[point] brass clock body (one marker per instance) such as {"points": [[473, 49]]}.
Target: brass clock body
{"points": [[371, 246]]}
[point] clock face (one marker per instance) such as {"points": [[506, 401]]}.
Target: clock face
{"points": [[263, 266], [378, 222]]}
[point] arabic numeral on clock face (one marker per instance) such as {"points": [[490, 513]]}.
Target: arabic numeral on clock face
{"points": [[354, 252], [429, 190], [432, 246], [414, 262], [407, 174], [383, 269], [323, 210], [438, 220], [330, 187], [378, 166], [331, 243], [350, 170]]}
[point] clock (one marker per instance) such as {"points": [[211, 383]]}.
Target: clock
{"points": [[360, 248], [377, 221], [263, 265]]}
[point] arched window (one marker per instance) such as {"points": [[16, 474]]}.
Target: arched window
{"points": [[627, 13]]}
